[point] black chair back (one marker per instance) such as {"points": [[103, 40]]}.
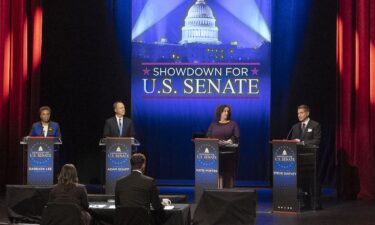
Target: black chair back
{"points": [[62, 214], [125, 215]]}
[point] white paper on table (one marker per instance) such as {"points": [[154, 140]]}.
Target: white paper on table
{"points": [[168, 207], [97, 206]]}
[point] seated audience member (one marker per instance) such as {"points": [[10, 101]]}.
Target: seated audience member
{"points": [[68, 190], [137, 189]]}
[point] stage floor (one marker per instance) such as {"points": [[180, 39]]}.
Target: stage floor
{"points": [[334, 212]]}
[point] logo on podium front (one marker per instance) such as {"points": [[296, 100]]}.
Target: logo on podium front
{"points": [[205, 155], [118, 155], [284, 158], [40, 154]]}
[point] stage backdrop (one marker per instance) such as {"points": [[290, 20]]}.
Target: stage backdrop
{"points": [[187, 58]]}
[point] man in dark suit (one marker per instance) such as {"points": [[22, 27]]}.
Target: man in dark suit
{"points": [[308, 132], [137, 189], [119, 125]]}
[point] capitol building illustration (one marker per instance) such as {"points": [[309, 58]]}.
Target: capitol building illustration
{"points": [[200, 25], [199, 42]]}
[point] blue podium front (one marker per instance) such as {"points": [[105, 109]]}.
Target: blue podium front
{"points": [[118, 154], [40, 159], [206, 165]]}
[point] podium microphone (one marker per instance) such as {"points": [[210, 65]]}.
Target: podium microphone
{"points": [[287, 137]]}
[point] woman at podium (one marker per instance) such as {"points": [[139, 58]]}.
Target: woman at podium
{"points": [[45, 127], [228, 133]]}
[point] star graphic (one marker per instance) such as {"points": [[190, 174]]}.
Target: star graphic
{"points": [[146, 71], [254, 71]]}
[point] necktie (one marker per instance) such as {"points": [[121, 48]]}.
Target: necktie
{"points": [[120, 127], [303, 127]]}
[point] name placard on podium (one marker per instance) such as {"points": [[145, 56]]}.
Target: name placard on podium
{"points": [[40, 157], [206, 165], [118, 153], [294, 175], [285, 191]]}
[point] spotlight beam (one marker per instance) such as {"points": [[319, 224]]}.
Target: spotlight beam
{"points": [[153, 12], [248, 12]]}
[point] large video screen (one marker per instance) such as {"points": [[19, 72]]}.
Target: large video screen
{"points": [[189, 56]]}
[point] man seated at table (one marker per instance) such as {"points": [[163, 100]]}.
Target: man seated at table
{"points": [[137, 189]]}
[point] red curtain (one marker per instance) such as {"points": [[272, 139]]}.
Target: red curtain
{"points": [[20, 57], [356, 94]]}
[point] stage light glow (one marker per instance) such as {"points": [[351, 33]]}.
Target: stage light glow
{"points": [[372, 74], [37, 38], [24, 51], [339, 45], [6, 68], [153, 12], [356, 62], [248, 13]]}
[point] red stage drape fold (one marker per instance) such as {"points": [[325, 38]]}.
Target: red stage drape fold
{"points": [[20, 56], [356, 92]]}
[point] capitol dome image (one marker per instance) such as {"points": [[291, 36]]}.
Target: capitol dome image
{"points": [[200, 25]]}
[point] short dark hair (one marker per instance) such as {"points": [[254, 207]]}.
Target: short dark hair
{"points": [[137, 160], [220, 109], [304, 107], [115, 104], [41, 109]]}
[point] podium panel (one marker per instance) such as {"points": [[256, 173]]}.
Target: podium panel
{"points": [[285, 191], [206, 165], [40, 155], [294, 175], [118, 154]]}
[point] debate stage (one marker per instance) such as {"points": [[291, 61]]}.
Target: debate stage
{"points": [[334, 211], [172, 69]]}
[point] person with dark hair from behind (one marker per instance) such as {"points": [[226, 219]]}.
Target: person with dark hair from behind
{"points": [[139, 190], [228, 132], [118, 125], [68, 190], [45, 127], [308, 132]]}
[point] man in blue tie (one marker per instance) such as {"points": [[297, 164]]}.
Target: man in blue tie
{"points": [[119, 125]]}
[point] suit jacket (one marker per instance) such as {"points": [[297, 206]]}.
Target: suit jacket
{"points": [[137, 190], [77, 194], [53, 129], [111, 128], [312, 134]]}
